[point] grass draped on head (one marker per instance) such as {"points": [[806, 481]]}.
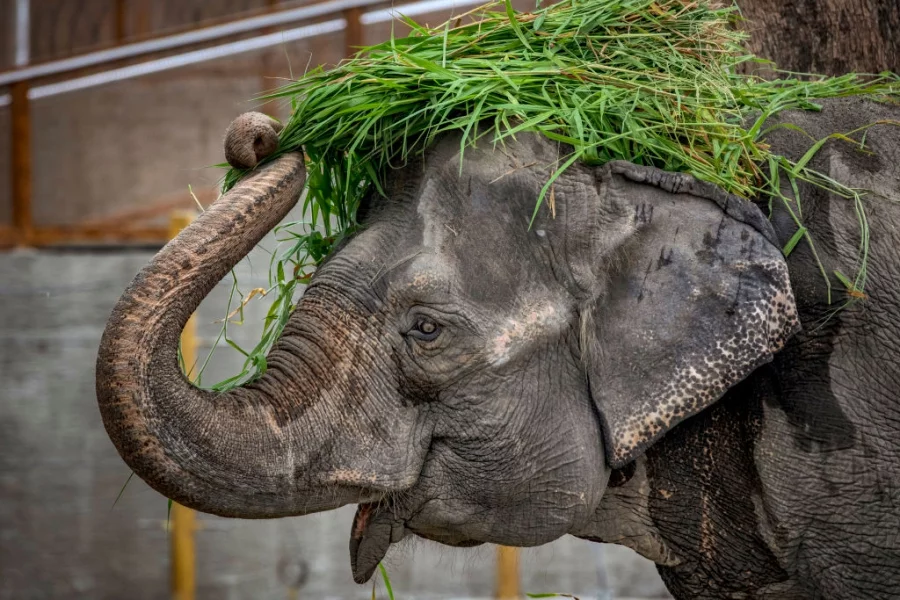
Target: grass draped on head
{"points": [[654, 82]]}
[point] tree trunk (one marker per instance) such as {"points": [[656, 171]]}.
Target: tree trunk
{"points": [[831, 37]]}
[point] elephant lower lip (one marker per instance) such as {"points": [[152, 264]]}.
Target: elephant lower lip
{"points": [[375, 527], [447, 539]]}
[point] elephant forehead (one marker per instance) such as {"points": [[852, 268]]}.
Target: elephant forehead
{"points": [[434, 212], [427, 272]]}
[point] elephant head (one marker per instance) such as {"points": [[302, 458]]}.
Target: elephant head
{"points": [[458, 371]]}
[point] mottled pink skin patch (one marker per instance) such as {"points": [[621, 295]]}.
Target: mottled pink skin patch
{"points": [[352, 477], [362, 519], [532, 324]]}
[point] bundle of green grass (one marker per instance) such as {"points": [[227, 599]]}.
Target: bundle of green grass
{"points": [[654, 82]]}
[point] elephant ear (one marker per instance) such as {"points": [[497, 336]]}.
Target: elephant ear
{"points": [[695, 295]]}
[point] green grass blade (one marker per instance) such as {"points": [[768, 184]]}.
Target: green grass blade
{"points": [[792, 243], [387, 581], [121, 491]]}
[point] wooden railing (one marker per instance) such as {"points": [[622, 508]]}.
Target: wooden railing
{"points": [[28, 82]]}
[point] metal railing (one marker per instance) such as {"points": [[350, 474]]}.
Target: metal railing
{"points": [[28, 82]]}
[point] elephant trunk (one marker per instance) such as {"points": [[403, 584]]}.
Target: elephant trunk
{"points": [[222, 453]]}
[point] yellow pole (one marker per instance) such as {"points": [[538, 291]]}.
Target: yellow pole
{"points": [[183, 520], [507, 573]]}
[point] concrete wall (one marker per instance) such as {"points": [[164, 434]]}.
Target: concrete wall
{"points": [[59, 476]]}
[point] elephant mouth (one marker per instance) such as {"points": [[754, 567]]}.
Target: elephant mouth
{"points": [[377, 525]]}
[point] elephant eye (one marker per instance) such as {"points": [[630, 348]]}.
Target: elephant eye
{"points": [[426, 330]]}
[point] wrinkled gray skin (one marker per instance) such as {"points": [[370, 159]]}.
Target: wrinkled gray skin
{"points": [[467, 379]]}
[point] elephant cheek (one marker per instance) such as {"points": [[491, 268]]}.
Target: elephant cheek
{"points": [[593, 493], [592, 472]]}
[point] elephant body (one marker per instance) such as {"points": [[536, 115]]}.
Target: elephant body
{"points": [[789, 486], [638, 365]]}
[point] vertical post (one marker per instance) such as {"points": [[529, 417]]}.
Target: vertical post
{"points": [[21, 163], [507, 573], [353, 34], [121, 21], [183, 520], [143, 20], [20, 132]]}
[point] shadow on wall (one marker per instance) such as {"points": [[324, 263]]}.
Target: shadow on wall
{"points": [[59, 475]]}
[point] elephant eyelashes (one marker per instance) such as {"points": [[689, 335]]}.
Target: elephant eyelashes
{"points": [[425, 330]]}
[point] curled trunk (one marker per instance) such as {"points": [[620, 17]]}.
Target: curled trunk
{"points": [[219, 453]]}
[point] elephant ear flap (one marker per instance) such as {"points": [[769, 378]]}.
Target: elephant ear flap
{"points": [[695, 297]]}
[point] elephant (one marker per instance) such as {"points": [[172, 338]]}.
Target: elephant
{"points": [[639, 365]]}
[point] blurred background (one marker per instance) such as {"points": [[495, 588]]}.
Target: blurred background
{"points": [[109, 110]]}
